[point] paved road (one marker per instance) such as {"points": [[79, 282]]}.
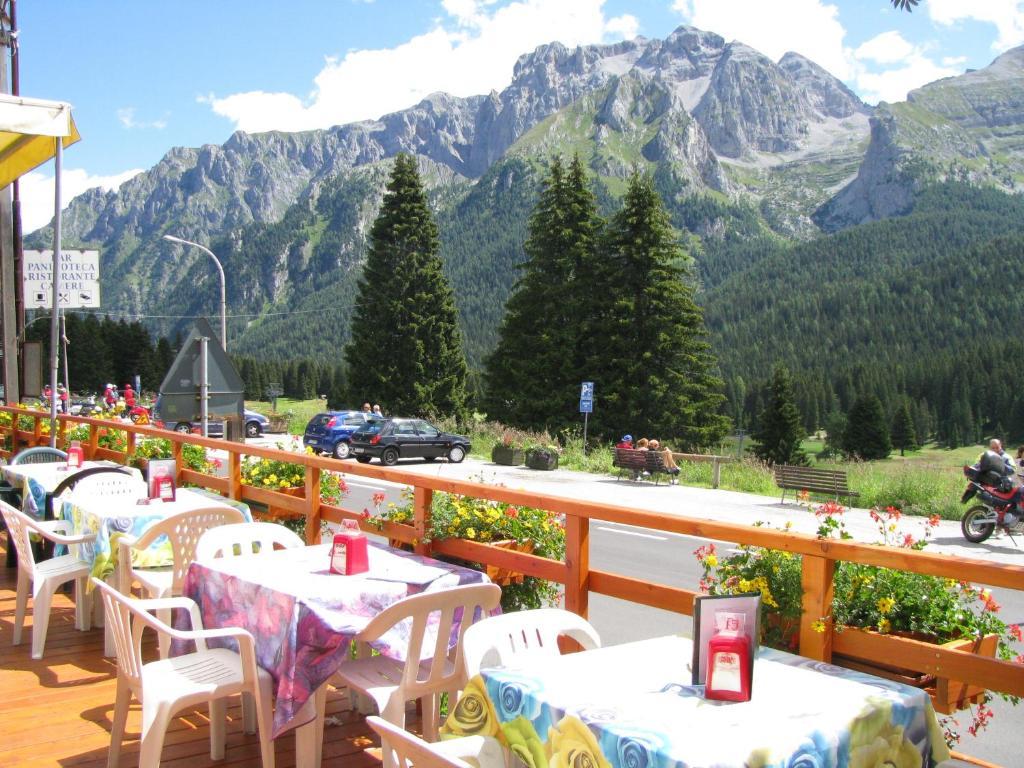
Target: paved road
{"points": [[667, 558]]}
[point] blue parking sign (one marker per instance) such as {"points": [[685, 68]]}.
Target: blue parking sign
{"points": [[587, 397]]}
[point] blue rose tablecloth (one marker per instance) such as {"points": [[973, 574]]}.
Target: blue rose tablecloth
{"points": [[632, 706], [111, 518]]}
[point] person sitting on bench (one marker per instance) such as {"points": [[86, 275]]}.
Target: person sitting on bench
{"points": [[666, 457]]}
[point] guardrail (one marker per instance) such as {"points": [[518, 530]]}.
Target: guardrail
{"points": [[574, 573]]}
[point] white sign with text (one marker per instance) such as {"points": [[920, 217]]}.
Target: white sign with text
{"points": [[79, 279]]}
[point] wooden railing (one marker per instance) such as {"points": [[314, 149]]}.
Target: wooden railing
{"points": [[579, 580]]}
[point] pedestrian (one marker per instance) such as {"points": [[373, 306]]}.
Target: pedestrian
{"points": [[109, 397], [377, 411], [625, 442], [62, 393], [129, 396]]}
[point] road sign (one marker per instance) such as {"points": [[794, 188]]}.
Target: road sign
{"points": [[587, 397], [79, 279]]}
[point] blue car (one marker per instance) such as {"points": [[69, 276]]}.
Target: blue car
{"points": [[331, 432]]}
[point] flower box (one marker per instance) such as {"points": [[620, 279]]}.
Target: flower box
{"points": [[507, 455], [278, 422], [503, 576], [541, 459], [948, 696]]}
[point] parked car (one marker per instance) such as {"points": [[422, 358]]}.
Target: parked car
{"points": [[255, 423], [394, 439], [331, 431]]}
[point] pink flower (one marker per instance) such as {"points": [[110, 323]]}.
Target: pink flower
{"points": [[378, 498]]}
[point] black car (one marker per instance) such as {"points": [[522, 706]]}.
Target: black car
{"points": [[394, 439]]}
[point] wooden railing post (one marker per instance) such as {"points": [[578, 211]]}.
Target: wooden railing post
{"points": [[577, 559], [94, 441], [817, 582], [312, 505], [716, 472], [422, 502], [177, 453]]}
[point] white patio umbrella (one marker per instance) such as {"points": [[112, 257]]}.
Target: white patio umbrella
{"points": [[31, 132]]}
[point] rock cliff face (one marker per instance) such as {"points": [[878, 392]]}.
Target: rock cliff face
{"points": [[968, 128], [698, 112]]}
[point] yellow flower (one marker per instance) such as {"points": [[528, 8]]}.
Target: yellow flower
{"points": [[473, 715], [884, 625], [818, 626], [524, 743], [711, 561], [571, 744], [285, 483], [876, 741], [885, 605], [470, 533]]}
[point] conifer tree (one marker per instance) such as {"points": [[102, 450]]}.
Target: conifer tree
{"points": [[779, 430], [654, 372], [867, 434], [533, 375], [902, 432], [406, 347]]}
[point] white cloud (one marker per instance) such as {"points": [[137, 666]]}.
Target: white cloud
{"points": [[36, 192], [471, 51], [126, 116], [906, 67], [1006, 15], [886, 48], [808, 27]]}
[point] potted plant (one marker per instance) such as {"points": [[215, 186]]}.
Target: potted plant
{"points": [[544, 457], [871, 598], [525, 529], [286, 477], [509, 450], [279, 422]]}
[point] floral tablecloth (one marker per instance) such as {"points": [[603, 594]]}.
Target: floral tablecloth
{"points": [[34, 481], [304, 618], [632, 706], [111, 518]]}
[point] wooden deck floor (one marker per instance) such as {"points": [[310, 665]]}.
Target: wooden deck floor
{"points": [[56, 711]]}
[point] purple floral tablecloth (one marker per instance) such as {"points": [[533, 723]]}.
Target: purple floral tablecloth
{"points": [[304, 618]]}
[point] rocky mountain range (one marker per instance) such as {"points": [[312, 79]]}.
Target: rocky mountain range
{"points": [[782, 149]]}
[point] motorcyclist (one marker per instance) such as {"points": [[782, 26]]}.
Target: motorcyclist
{"points": [[995, 465]]}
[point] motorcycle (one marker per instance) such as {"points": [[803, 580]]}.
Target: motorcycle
{"points": [[1002, 506]]}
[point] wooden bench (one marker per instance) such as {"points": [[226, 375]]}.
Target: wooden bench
{"points": [[636, 462], [831, 482]]}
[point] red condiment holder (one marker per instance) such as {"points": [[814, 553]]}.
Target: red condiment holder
{"points": [[349, 553], [75, 455], [729, 661]]}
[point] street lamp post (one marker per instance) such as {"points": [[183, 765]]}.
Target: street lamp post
{"points": [[223, 295]]}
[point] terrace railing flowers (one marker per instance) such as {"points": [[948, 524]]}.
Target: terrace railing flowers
{"points": [[279, 475], [864, 596], [526, 528]]}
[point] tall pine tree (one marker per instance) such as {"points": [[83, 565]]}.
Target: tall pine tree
{"points": [[654, 372], [867, 434], [406, 347], [779, 429], [534, 373], [902, 431]]}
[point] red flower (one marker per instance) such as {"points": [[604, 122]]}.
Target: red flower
{"points": [[908, 540], [366, 514], [892, 513], [378, 498], [933, 521], [512, 512], [1015, 633]]}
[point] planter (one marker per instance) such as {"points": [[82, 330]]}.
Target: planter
{"points": [[507, 455], [277, 423], [278, 513], [948, 696], [504, 576], [540, 459]]}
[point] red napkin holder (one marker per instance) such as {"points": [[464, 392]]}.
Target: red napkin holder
{"points": [[349, 553], [729, 663], [75, 455]]}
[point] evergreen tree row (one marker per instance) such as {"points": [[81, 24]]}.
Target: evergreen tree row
{"points": [[610, 302]]}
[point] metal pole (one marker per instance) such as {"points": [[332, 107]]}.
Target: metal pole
{"points": [[204, 386], [223, 292], [585, 415], [58, 159], [64, 343]]}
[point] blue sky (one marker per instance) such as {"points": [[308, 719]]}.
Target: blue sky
{"points": [[148, 76]]}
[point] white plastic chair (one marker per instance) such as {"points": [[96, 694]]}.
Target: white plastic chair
{"points": [[167, 685], [403, 749], [426, 672], [513, 637], [46, 576], [183, 530], [245, 539]]}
